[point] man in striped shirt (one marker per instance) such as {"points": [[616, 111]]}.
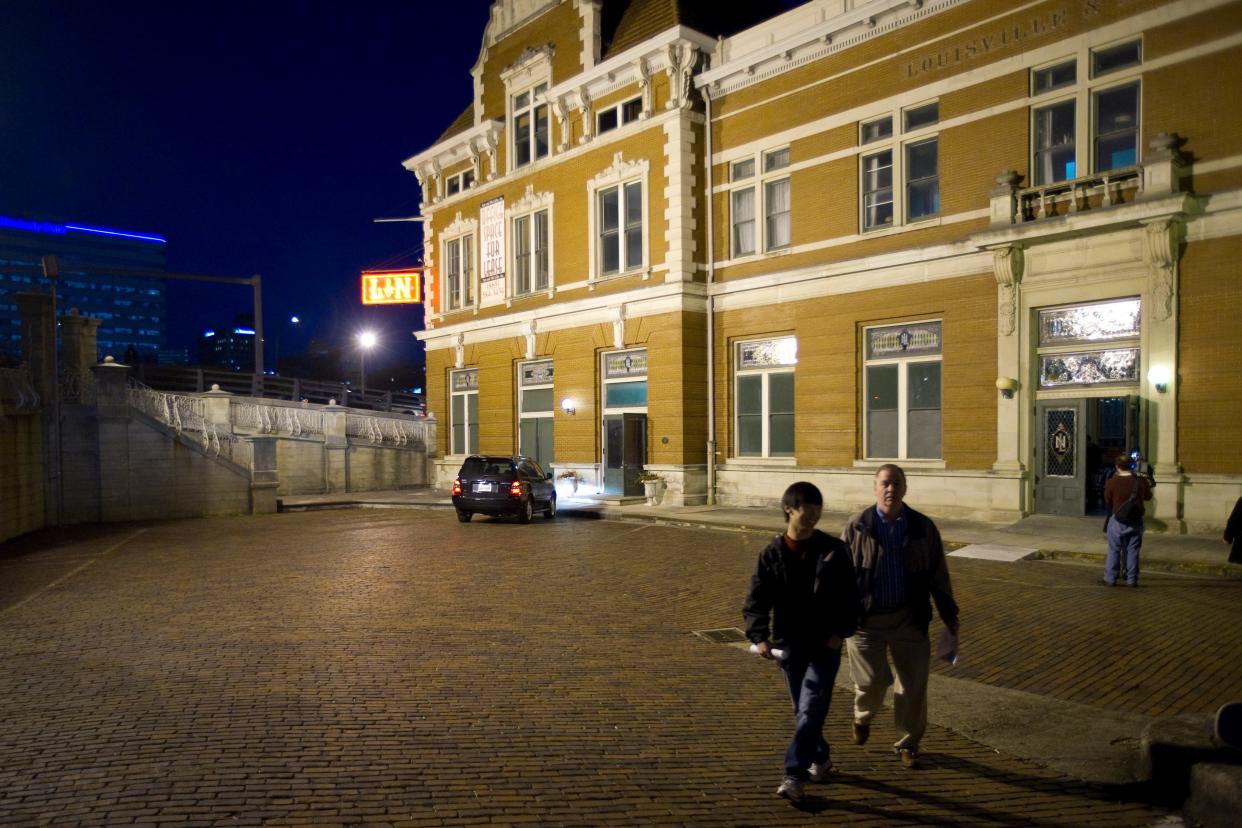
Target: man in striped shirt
{"points": [[900, 565]]}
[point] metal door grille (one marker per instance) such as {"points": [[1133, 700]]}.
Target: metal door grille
{"points": [[1060, 437]]}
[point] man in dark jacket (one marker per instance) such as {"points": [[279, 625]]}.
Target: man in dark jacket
{"points": [[805, 584], [1233, 533], [899, 561], [1125, 522]]}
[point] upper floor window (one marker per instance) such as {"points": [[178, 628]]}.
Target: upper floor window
{"points": [[900, 183], [530, 126], [458, 258], [620, 228], [766, 194], [1080, 125], [619, 115], [461, 182], [531, 252]]}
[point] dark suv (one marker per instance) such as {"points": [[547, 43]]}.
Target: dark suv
{"points": [[502, 485]]}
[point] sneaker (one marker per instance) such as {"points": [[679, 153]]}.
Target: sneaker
{"points": [[820, 771], [909, 758], [861, 732], [1131, 583], [791, 789], [1106, 582]]}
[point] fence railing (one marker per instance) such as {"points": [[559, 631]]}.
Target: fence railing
{"points": [[186, 379], [272, 419], [398, 432], [187, 415]]}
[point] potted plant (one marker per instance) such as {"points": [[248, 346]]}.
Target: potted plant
{"points": [[572, 477], [653, 486]]}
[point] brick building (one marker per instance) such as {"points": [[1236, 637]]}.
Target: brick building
{"points": [[994, 243]]}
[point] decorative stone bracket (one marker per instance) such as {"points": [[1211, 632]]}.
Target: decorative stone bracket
{"points": [[1162, 241], [1007, 265]]}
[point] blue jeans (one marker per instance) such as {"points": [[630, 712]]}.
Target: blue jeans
{"points": [[810, 685], [1124, 543]]}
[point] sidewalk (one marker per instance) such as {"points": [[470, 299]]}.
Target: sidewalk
{"points": [[1037, 536]]}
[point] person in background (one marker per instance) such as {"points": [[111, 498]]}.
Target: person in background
{"points": [[804, 585], [1233, 533], [900, 565], [1124, 495]]}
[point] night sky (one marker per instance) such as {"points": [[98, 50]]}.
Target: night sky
{"points": [[256, 137]]}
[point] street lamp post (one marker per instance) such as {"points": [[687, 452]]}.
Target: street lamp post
{"points": [[366, 341]]}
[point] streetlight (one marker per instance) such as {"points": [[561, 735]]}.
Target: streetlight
{"points": [[366, 341]]}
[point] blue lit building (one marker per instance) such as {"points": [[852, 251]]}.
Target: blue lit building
{"points": [[230, 347], [130, 310]]}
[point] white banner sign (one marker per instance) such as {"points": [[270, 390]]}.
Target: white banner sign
{"points": [[492, 252]]}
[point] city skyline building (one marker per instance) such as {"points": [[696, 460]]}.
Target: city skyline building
{"points": [[131, 310]]}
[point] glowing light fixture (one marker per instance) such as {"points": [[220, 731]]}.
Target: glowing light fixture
{"points": [[1158, 376], [567, 405]]}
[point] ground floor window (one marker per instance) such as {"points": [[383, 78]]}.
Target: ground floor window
{"points": [[535, 411], [464, 411], [764, 383], [902, 391]]}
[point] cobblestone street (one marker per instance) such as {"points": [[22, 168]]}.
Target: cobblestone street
{"points": [[370, 666]]}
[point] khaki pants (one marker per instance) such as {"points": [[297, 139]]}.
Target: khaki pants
{"points": [[897, 635]]}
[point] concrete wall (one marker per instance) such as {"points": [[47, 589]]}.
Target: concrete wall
{"points": [[21, 482], [310, 466]]}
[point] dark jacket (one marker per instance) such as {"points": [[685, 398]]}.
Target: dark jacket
{"points": [[927, 573], [808, 601], [1233, 533]]}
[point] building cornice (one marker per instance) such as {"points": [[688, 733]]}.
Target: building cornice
{"points": [[651, 300], [734, 66]]}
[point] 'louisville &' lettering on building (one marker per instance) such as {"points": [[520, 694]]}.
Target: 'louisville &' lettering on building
{"points": [[995, 243]]}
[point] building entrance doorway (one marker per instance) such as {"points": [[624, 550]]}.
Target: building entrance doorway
{"points": [[625, 450], [1076, 441]]}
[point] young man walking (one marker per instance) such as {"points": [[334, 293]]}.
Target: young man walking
{"points": [[804, 586], [900, 564]]}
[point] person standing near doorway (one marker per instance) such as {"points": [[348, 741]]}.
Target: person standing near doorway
{"points": [[900, 565], [1124, 495], [804, 584]]}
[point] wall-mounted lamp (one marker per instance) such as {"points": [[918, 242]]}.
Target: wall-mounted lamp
{"points": [[1158, 376], [567, 405], [1007, 386]]}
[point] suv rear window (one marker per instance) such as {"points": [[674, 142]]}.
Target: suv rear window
{"points": [[477, 466]]}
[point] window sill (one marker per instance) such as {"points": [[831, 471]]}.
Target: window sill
{"points": [[888, 230], [644, 271], [911, 463], [741, 462]]}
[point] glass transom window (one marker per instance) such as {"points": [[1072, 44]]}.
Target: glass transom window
{"points": [[1111, 330]]}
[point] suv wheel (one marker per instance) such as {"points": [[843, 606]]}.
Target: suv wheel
{"points": [[550, 512], [464, 516], [526, 510]]}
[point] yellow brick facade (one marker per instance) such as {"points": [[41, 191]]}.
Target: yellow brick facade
{"points": [[1161, 227]]}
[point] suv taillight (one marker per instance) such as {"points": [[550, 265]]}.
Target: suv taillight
{"points": [[457, 486], [515, 488]]}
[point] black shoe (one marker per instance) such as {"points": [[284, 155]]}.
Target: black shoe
{"points": [[1106, 583]]}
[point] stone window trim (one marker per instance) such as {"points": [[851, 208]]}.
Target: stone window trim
{"points": [[618, 174], [894, 187], [453, 234], [759, 203], [526, 207], [760, 364], [1078, 99], [463, 391], [531, 75]]}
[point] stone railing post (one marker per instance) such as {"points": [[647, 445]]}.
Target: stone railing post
{"points": [[112, 418], [216, 410], [78, 348], [1163, 166], [336, 449], [38, 341], [1004, 199]]}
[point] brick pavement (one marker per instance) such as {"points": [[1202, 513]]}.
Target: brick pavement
{"points": [[363, 667]]}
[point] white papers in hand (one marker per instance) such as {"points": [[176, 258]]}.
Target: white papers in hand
{"points": [[776, 652]]}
